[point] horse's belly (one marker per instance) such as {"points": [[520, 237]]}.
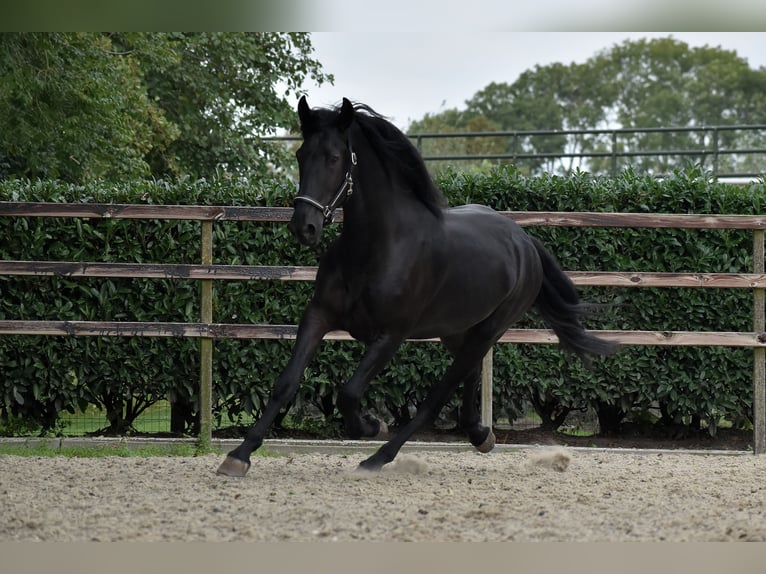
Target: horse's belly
{"points": [[477, 284], [457, 311]]}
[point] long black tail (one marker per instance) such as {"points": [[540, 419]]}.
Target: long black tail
{"points": [[562, 309]]}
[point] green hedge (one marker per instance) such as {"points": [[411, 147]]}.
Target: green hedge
{"points": [[42, 376], [689, 383]]}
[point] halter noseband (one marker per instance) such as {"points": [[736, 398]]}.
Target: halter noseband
{"points": [[345, 191]]}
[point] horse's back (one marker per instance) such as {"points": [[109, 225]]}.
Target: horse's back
{"points": [[484, 228], [471, 210], [489, 260]]}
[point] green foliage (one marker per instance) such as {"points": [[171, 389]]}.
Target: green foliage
{"points": [[221, 91], [637, 84], [455, 122], [687, 382], [72, 109], [87, 106], [42, 376]]}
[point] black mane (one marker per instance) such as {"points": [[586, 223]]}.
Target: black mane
{"points": [[399, 156]]}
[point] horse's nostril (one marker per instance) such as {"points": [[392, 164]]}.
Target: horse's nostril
{"points": [[310, 230]]}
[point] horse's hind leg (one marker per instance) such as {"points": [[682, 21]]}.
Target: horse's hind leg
{"points": [[466, 361], [480, 436], [427, 412], [469, 351]]}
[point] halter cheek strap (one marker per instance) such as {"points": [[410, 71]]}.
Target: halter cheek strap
{"points": [[345, 191]]}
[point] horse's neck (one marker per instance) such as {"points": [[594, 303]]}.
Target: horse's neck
{"points": [[374, 235], [380, 209]]}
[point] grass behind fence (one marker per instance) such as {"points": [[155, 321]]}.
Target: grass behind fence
{"points": [[156, 420]]}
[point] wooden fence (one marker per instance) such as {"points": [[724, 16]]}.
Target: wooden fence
{"points": [[206, 272]]}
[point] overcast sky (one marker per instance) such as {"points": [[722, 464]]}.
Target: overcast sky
{"points": [[408, 74]]}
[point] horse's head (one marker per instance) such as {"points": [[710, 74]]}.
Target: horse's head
{"points": [[325, 162]]}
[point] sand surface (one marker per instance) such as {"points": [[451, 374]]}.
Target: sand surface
{"points": [[544, 494]]}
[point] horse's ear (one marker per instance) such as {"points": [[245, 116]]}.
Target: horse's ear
{"points": [[304, 113], [346, 114]]}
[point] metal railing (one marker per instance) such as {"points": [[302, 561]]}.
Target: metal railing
{"points": [[612, 145]]}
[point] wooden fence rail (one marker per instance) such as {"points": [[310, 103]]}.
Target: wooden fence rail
{"points": [[206, 272]]}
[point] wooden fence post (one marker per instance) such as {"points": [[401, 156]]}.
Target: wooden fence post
{"points": [[486, 389], [206, 344], [759, 353]]}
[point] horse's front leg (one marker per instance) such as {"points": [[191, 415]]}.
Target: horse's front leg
{"points": [[312, 329], [376, 356]]}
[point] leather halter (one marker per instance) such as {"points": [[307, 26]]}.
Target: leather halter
{"points": [[345, 191]]}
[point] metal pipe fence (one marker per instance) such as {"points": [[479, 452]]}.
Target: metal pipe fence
{"points": [[605, 144]]}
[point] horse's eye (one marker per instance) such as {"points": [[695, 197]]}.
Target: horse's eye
{"points": [[333, 159]]}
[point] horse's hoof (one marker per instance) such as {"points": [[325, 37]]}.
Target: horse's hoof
{"points": [[233, 467], [382, 431], [488, 444], [369, 466]]}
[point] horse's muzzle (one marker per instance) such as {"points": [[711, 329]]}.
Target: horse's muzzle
{"points": [[306, 225]]}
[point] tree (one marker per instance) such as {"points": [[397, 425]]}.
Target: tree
{"points": [[88, 106], [665, 83], [72, 109], [455, 121], [525, 107], [638, 84], [221, 91]]}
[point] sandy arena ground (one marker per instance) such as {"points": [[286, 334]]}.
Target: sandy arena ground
{"points": [[541, 494]]}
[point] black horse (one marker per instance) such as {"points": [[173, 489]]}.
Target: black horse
{"points": [[406, 267]]}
